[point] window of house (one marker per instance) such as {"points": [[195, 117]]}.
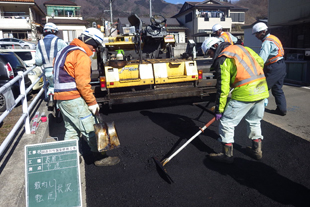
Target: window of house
{"points": [[237, 17], [16, 34], [63, 11], [241, 17]]}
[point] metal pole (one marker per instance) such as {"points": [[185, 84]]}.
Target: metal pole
{"points": [[111, 12], [150, 8]]}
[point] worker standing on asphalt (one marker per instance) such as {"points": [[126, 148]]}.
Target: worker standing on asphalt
{"points": [[46, 51], [272, 53], [75, 98], [242, 69], [224, 36]]}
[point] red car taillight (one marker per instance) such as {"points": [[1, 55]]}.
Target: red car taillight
{"points": [[102, 82], [9, 71], [200, 74]]}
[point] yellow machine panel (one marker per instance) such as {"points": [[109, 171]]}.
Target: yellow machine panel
{"points": [[129, 75], [175, 71], [119, 42]]}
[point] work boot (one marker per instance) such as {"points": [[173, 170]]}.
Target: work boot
{"points": [[279, 112], [50, 103], [256, 150], [102, 159], [226, 156]]}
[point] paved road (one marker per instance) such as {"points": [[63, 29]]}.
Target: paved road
{"points": [[281, 178]]}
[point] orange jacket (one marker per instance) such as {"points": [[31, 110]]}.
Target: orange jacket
{"points": [[226, 37], [248, 69], [278, 43], [78, 65]]}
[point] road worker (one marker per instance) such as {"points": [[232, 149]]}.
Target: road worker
{"points": [[241, 68], [46, 51], [272, 53], [73, 92], [224, 36]]}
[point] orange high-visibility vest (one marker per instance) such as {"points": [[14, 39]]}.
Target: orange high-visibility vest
{"points": [[226, 37], [248, 69], [278, 43]]}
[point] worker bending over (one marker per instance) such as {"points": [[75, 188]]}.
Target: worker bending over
{"points": [[75, 98], [242, 69]]}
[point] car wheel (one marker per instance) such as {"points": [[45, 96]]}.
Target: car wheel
{"points": [[26, 47], [2, 103]]}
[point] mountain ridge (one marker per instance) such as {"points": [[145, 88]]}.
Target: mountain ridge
{"points": [[98, 9]]}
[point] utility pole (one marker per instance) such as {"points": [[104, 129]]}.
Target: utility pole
{"points": [[150, 8], [111, 12]]}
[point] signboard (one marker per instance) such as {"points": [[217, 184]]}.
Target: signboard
{"points": [[52, 174]]}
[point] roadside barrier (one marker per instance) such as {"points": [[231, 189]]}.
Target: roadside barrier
{"points": [[22, 98]]}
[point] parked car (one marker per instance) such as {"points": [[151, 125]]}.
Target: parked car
{"points": [[10, 64], [28, 56], [16, 43]]}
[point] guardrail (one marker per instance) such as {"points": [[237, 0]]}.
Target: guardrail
{"points": [[23, 99]]}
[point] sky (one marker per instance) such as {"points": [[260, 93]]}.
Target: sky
{"points": [[182, 1]]}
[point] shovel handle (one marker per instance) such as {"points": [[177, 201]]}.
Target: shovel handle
{"points": [[208, 124], [165, 161]]}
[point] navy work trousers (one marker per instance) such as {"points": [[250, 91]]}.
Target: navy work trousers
{"points": [[275, 74]]}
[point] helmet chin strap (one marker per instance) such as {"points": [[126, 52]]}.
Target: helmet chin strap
{"points": [[86, 40]]}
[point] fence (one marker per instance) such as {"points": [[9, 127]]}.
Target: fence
{"points": [[23, 99]]}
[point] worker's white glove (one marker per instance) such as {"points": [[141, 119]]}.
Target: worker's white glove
{"points": [[94, 109]]}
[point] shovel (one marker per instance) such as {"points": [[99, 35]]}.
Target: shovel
{"points": [[106, 134], [160, 165]]}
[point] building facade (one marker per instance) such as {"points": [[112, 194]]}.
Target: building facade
{"points": [[21, 19], [67, 16], [199, 18]]}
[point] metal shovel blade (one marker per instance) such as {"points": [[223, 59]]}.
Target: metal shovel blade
{"points": [[106, 135], [162, 171]]}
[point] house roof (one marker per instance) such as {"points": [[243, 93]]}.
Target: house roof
{"points": [[60, 2], [209, 4], [68, 21], [32, 1]]}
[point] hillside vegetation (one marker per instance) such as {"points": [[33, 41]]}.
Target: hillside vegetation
{"points": [[98, 9], [257, 9]]}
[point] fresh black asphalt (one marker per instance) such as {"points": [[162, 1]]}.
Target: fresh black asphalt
{"points": [[281, 178]]}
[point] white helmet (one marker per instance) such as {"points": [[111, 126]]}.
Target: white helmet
{"points": [[216, 27], [208, 44], [258, 27], [50, 27], [92, 34]]}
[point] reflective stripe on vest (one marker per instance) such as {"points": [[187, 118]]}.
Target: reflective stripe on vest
{"points": [[280, 54], [62, 80], [248, 70], [45, 45], [226, 37]]}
